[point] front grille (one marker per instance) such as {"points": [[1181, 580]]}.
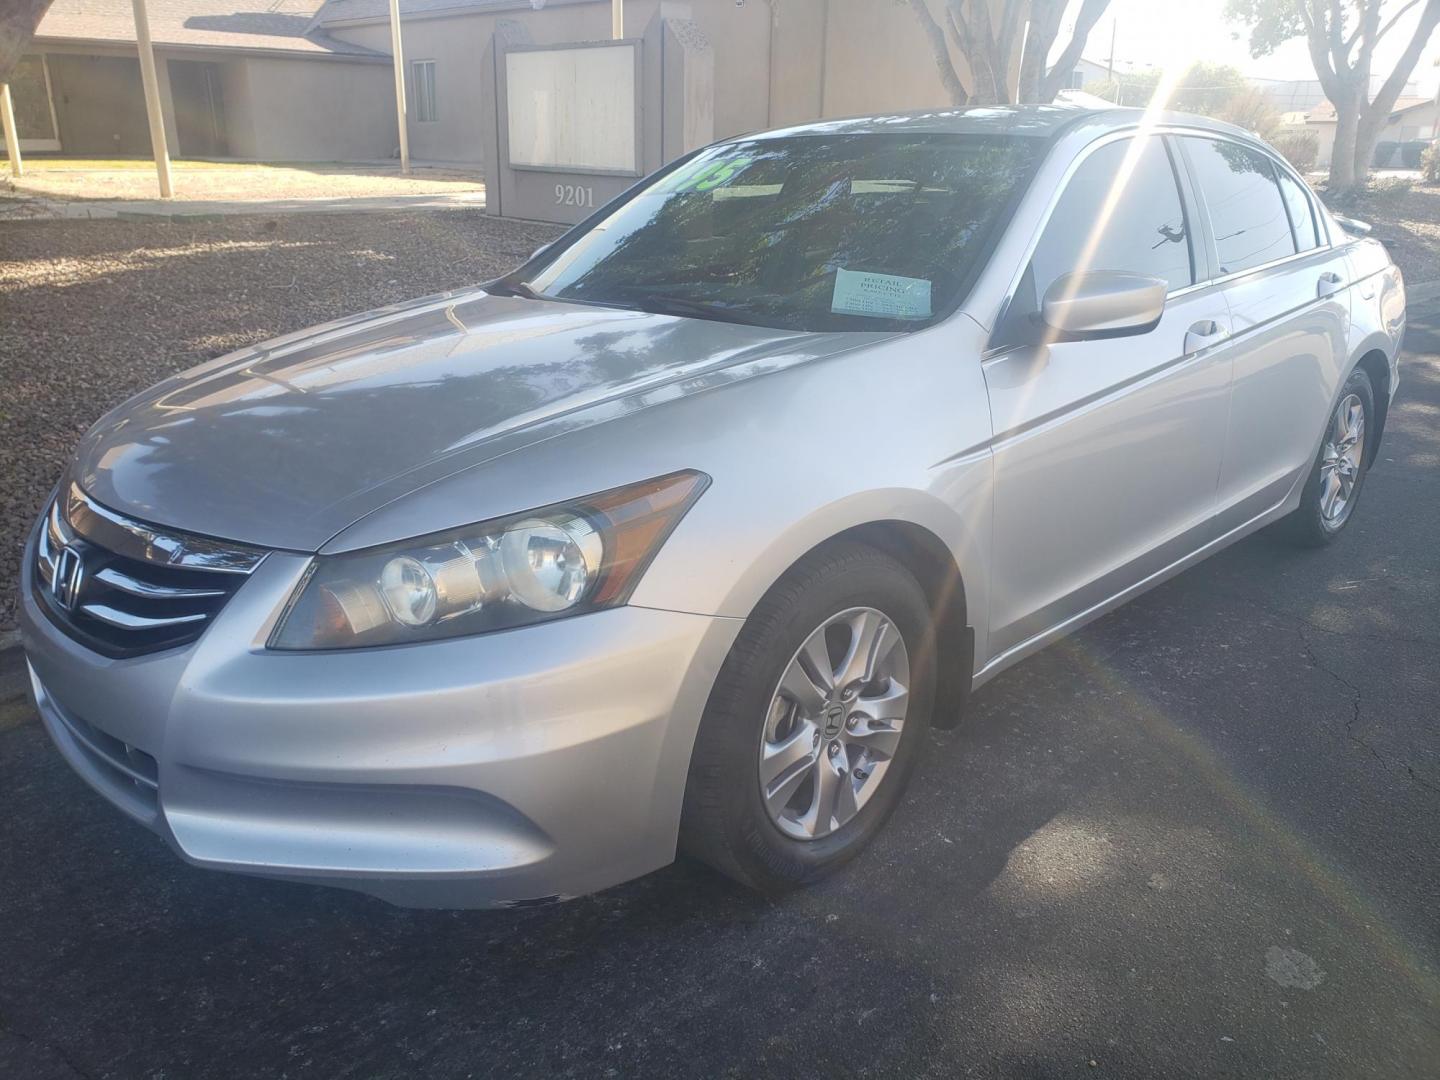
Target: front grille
{"points": [[124, 588]]}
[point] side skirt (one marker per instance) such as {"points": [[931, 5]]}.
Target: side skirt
{"points": [[1016, 653]]}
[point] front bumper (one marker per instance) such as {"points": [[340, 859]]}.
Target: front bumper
{"points": [[521, 766]]}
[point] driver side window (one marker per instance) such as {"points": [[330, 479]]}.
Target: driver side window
{"points": [[1121, 210]]}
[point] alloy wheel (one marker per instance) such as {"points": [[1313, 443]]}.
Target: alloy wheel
{"points": [[834, 723], [1341, 460]]}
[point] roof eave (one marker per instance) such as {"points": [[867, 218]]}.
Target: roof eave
{"points": [[246, 50]]}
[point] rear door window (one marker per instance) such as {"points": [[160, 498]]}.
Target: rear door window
{"points": [[1247, 212]]}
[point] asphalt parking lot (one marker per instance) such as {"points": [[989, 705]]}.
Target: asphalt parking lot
{"points": [[1197, 839]]}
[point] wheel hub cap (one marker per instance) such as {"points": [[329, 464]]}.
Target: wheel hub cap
{"points": [[834, 723]]}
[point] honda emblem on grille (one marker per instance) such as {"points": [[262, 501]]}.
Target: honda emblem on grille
{"points": [[69, 575]]}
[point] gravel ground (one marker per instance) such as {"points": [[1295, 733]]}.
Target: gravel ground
{"points": [[223, 180], [94, 311], [1404, 214]]}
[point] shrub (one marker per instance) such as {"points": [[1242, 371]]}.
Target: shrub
{"points": [[1430, 164], [1300, 148], [1250, 109]]}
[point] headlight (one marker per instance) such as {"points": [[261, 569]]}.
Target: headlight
{"points": [[542, 564]]}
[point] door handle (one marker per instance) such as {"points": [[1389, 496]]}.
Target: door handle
{"points": [[1328, 285], [1203, 334]]}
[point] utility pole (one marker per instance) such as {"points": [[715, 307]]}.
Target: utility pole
{"points": [[399, 61], [12, 137], [151, 83], [1434, 154], [617, 19], [1110, 64]]}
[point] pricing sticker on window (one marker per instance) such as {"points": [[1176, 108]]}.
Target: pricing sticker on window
{"points": [[886, 296]]}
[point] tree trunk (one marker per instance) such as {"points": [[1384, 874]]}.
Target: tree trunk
{"points": [[1367, 134], [1347, 123], [18, 19], [1374, 115]]}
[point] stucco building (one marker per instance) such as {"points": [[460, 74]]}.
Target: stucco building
{"points": [[305, 80], [233, 83], [1411, 120]]}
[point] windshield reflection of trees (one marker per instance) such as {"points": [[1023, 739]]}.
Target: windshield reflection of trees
{"points": [[903, 206]]}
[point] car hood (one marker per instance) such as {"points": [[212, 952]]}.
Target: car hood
{"points": [[286, 443]]}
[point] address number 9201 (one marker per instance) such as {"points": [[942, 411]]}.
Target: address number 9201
{"points": [[574, 195]]}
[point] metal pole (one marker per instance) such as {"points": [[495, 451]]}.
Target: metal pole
{"points": [[12, 138], [617, 19], [152, 98], [399, 59]]}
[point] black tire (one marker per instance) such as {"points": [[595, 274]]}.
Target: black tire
{"points": [[1307, 526], [725, 822]]}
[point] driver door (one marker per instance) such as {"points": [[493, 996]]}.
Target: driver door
{"points": [[1107, 452]]}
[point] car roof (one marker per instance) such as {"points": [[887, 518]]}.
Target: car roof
{"points": [[1040, 121]]}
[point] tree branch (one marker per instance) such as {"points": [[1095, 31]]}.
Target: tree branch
{"points": [[935, 36], [999, 64], [1337, 31], [1090, 12], [1009, 27], [1390, 89], [1316, 41], [1394, 19]]}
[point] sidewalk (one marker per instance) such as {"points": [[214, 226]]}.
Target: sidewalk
{"points": [[38, 208]]}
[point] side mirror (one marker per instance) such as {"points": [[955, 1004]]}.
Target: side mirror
{"points": [[1351, 226], [1103, 303]]}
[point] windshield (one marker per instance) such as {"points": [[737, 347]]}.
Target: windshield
{"points": [[813, 232]]}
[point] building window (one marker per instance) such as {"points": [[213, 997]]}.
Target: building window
{"points": [[1077, 79], [424, 80]]}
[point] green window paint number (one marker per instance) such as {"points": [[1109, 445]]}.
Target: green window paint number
{"points": [[711, 176]]}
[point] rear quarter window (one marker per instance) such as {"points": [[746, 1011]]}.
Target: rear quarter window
{"points": [[1302, 213]]}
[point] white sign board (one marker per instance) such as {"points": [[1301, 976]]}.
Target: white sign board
{"points": [[572, 109]]}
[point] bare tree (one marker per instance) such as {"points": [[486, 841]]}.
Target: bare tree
{"points": [[18, 20], [1005, 46], [1342, 36]]}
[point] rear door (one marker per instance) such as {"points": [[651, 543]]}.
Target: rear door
{"points": [[1106, 451], [1287, 290]]}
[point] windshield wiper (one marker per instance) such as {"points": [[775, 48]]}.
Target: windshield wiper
{"points": [[696, 309]]}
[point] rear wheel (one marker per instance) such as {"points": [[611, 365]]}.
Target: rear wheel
{"points": [[1338, 473], [814, 723]]}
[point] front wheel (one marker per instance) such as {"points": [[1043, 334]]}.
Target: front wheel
{"points": [[1338, 473], [815, 721]]}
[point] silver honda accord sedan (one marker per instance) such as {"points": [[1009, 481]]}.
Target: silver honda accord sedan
{"points": [[681, 536]]}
